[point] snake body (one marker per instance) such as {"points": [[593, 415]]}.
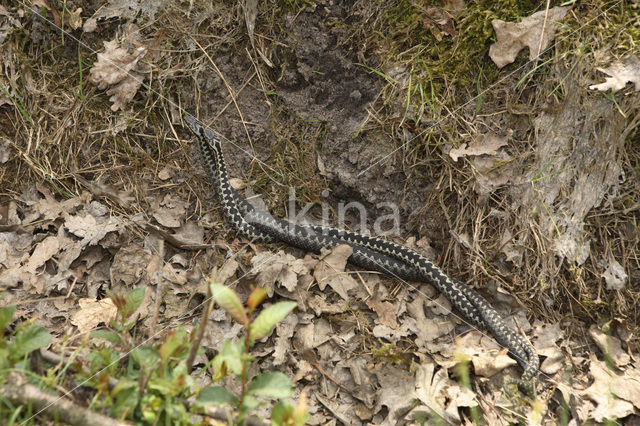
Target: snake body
{"points": [[369, 252]]}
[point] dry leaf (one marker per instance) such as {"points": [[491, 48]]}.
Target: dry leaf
{"points": [[170, 211], [92, 229], [436, 391], [116, 68], [396, 389], [44, 251], [330, 271], [610, 346], [487, 357], [129, 264], [93, 312], [5, 148], [122, 9], [385, 310], [615, 394], [190, 233], [545, 344], [534, 32], [73, 19], [439, 20], [284, 330], [174, 275], [615, 275], [621, 73], [481, 145], [427, 329], [164, 174], [280, 268]]}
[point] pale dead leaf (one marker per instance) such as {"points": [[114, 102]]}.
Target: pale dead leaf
{"points": [[5, 148], [621, 73], [190, 233], [610, 346], [615, 275], [427, 329], [439, 20], [513, 252], [481, 145], [227, 271], [281, 268], [546, 335], [93, 312], [116, 68], [406, 328], [320, 306], [123, 9], [385, 310], [534, 32], [164, 174], [130, 264], [282, 346], [237, 184], [487, 357], [396, 390], [437, 392], [330, 271], [169, 212], [92, 229], [44, 251], [73, 19], [174, 275], [614, 394]]}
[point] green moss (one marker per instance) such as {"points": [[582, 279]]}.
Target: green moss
{"points": [[453, 58], [390, 353]]}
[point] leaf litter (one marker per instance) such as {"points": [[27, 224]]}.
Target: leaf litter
{"points": [[535, 32]]}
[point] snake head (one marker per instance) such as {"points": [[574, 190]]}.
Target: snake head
{"points": [[194, 125], [200, 130]]}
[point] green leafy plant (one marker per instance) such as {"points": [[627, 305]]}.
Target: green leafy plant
{"points": [[153, 384], [235, 358], [18, 344]]}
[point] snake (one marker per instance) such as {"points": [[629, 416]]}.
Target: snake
{"points": [[369, 252]]}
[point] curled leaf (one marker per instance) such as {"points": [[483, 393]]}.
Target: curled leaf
{"points": [[230, 302], [268, 318]]}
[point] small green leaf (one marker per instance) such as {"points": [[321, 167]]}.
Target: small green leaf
{"points": [[250, 403], [230, 302], [133, 299], [123, 384], [161, 386], [215, 395], [6, 315], [173, 342], [231, 355], [28, 339], [272, 383], [268, 318], [145, 356], [280, 413], [108, 335], [127, 397]]}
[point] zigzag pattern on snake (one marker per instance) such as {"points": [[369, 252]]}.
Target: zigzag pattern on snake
{"points": [[371, 253]]}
